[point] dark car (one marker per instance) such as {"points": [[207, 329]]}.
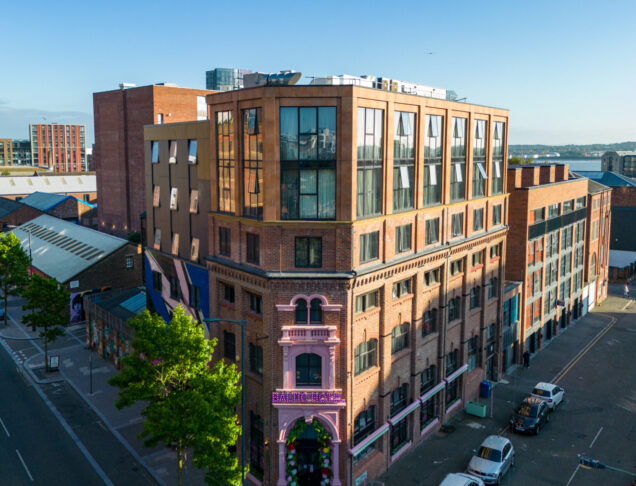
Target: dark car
{"points": [[530, 416]]}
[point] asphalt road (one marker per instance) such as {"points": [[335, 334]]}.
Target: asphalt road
{"points": [[34, 448]]}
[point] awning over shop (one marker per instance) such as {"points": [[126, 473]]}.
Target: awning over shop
{"points": [[398, 418]]}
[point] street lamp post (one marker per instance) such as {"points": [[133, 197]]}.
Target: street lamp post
{"points": [[242, 324]]}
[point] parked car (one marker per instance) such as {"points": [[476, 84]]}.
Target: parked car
{"points": [[530, 416], [551, 394], [461, 479], [493, 459]]}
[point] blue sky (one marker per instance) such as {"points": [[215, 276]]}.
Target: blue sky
{"points": [[566, 70]]}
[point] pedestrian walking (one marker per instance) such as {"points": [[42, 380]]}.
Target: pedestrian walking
{"points": [[526, 359], [626, 292]]}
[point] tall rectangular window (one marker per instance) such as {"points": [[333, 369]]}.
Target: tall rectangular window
{"points": [[369, 243], [252, 163], [174, 193], [172, 159], [308, 162], [473, 346], [256, 359], [403, 160], [478, 219], [194, 201], [308, 252], [229, 345], [402, 238], [370, 159], [496, 174], [496, 214], [225, 247], [253, 248], [367, 301], [479, 159], [255, 303], [192, 152], [257, 445], [458, 160], [457, 225], [154, 150], [432, 231], [433, 144], [225, 161]]}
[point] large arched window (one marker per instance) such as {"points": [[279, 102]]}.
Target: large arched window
{"points": [[593, 265], [308, 370], [315, 311], [301, 311]]}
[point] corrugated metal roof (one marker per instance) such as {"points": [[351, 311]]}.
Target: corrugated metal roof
{"points": [[61, 249], [43, 200], [607, 178], [17, 185]]}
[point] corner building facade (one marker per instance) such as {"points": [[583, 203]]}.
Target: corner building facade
{"points": [[361, 233]]}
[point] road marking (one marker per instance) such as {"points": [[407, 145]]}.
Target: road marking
{"points": [[626, 305], [24, 464], [573, 474], [596, 436], [5, 428], [583, 352]]}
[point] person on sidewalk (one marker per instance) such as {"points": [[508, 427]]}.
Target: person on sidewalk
{"points": [[626, 292], [526, 359]]}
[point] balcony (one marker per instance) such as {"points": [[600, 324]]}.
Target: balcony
{"points": [[309, 334]]}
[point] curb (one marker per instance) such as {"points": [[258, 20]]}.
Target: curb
{"points": [[34, 377]]}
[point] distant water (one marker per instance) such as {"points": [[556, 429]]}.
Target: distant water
{"points": [[574, 164]]}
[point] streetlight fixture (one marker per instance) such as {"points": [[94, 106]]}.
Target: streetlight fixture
{"points": [[589, 463], [242, 324]]}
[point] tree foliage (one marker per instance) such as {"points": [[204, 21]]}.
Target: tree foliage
{"points": [[514, 160], [14, 268], [191, 404], [49, 304]]}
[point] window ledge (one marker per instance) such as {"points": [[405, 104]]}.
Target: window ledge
{"points": [[477, 267], [403, 448], [366, 373]]}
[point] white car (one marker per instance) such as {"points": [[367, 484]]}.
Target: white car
{"points": [[461, 479], [551, 394], [493, 459]]}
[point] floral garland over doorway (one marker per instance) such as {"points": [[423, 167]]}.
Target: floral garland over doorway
{"points": [[324, 441]]}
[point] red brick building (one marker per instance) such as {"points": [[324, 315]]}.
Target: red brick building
{"points": [[120, 116], [61, 148], [361, 233]]}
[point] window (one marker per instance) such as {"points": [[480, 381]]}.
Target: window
{"points": [[399, 399], [314, 316], [429, 322], [428, 379], [154, 149], [175, 244], [86, 198], [478, 258], [367, 301], [495, 251], [496, 173], [155, 196], [452, 361], [255, 303], [157, 242], [403, 160], [308, 162], [369, 246], [399, 432], [554, 210], [194, 201], [308, 252], [172, 159], [301, 311], [454, 308], [229, 345], [192, 152], [227, 292], [568, 206], [194, 294], [370, 150], [402, 238], [478, 219], [475, 297], [159, 118], [400, 337], [225, 247], [174, 287], [432, 231], [496, 214], [365, 356], [594, 230], [363, 426], [156, 281], [433, 159], [457, 225], [593, 266], [537, 215], [225, 160], [256, 359], [130, 262], [173, 198], [257, 445], [456, 266], [252, 163], [253, 248], [401, 288], [473, 346], [479, 159], [432, 277], [580, 202], [194, 249], [308, 370], [493, 288], [458, 159]]}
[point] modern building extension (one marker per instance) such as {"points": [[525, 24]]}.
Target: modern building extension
{"points": [[60, 148], [361, 232]]}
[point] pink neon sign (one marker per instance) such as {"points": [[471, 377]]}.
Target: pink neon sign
{"points": [[307, 397]]}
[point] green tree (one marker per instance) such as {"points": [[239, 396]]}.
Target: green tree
{"points": [[519, 160], [191, 404], [49, 304], [14, 268]]}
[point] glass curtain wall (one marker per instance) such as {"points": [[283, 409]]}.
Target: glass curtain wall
{"points": [[479, 159], [496, 174], [252, 163], [370, 160], [433, 160], [458, 160], [403, 160], [308, 162], [225, 158]]}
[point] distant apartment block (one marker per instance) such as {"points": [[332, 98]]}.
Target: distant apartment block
{"points": [[118, 156], [225, 79], [6, 151], [621, 162], [61, 148], [22, 152]]}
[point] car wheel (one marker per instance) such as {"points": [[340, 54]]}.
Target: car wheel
{"points": [[498, 480]]}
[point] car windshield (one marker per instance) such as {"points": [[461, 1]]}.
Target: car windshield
{"points": [[526, 410], [541, 393], [490, 454]]}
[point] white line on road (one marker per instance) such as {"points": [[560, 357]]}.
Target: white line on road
{"points": [[24, 464], [573, 474], [596, 436], [5, 428]]}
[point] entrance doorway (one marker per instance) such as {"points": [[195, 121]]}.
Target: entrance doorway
{"points": [[308, 456]]}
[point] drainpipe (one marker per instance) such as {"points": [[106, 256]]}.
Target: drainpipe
{"points": [[351, 350]]}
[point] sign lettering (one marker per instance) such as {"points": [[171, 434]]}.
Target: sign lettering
{"points": [[307, 397]]}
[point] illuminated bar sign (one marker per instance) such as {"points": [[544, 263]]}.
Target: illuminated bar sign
{"points": [[307, 397]]}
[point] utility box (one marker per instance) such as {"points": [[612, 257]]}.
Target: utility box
{"points": [[485, 389], [476, 408]]}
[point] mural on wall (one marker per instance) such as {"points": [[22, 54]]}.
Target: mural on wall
{"points": [[77, 304], [170, 282]]}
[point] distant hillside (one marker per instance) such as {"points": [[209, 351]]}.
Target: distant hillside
{"points": [[570, 151]]}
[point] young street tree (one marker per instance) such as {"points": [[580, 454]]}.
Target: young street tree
{"points": [[14, 268], [49, 304], [191, 403]]}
